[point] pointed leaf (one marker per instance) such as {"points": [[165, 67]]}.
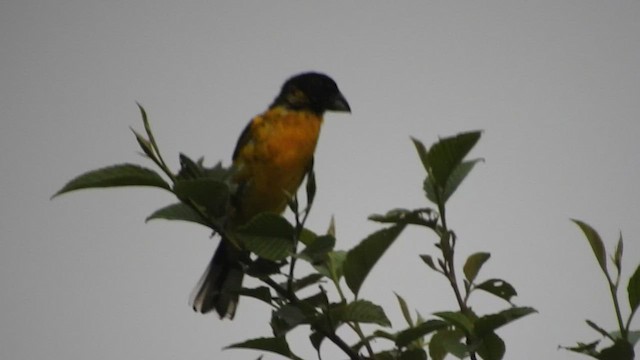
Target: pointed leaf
{"points": [[458, 319], [267, 235], [446, 154], [422, 153], [487, 324], [145, 145], [596, 243], [317, 251], [430, 189], [633, 336], [262, 267], [620, 350], [457, 176], [361, 311], [617, 254], [599, 329], [491, 347], [405, 310], [116, 175], [178, 211], [499, 288], [285, 319], [262, 293], [319, 300], [306, 281], [413, 354], [446, 342], [473, 265], [405, 337], [361, 259], [276, 345], [331, 230], [316, 339], [424, 217], [211, 194], [429, 261], [585, 348], [333, 266], [633, 290]]}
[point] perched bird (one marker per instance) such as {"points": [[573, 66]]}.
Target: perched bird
{"points": [[270, 160]]}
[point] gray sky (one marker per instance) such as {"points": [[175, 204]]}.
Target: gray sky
{"points": [[554, 85]]}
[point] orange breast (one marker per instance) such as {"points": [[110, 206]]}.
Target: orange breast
{"points": [[274, 161]]}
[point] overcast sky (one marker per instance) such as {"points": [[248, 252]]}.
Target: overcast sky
{"points": [[554, 85]]}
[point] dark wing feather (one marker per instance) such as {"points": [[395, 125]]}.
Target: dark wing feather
{"points": [[244, 138]]}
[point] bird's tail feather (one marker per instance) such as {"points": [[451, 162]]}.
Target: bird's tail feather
{"points": [[218, 287]]}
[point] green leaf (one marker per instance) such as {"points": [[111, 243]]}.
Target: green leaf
{"points": [[116, 175], [361, 259], [422, 153], [413, 354], [473, 265], [276, 345], [316, 251], [499, 288], [319, 300], [633, 290], [457, 176], [424, 217], [617, 254], [620, 350], [306, 281], [262, 293], [178, 211], [585, 348], [429, 261], [491, 347], [457, 319], [316, 339], [633, 336], [596, 243], [487, 324], [145, 145], [286, 319], [361, 311], [331, 230], [262, 267], [599, 329], [386, 355], [333, 266], [267, 235], [211, 194], [405, 310], [446, 154], [190, 170], [405, 337], [446, 342], [307, 237]]}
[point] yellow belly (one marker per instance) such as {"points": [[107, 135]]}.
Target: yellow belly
{"points": [[275, 160]]}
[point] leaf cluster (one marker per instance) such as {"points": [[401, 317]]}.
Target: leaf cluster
{"points": [[459, 332], [623, 339], [275, 245]]}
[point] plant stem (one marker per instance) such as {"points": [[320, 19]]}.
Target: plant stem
{"points": [[448, 250], [331, 335], [355, 326], [613, 288]]}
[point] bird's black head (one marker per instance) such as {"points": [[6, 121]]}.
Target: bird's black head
{"points": [[311, 91]]}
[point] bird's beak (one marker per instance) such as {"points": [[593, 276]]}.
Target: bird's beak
{"points": [[339, 103]]}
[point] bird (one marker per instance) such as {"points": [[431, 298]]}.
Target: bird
{"points": [[272, 156]]}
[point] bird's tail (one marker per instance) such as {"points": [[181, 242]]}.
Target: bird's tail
{"points": [[219, 285]]}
